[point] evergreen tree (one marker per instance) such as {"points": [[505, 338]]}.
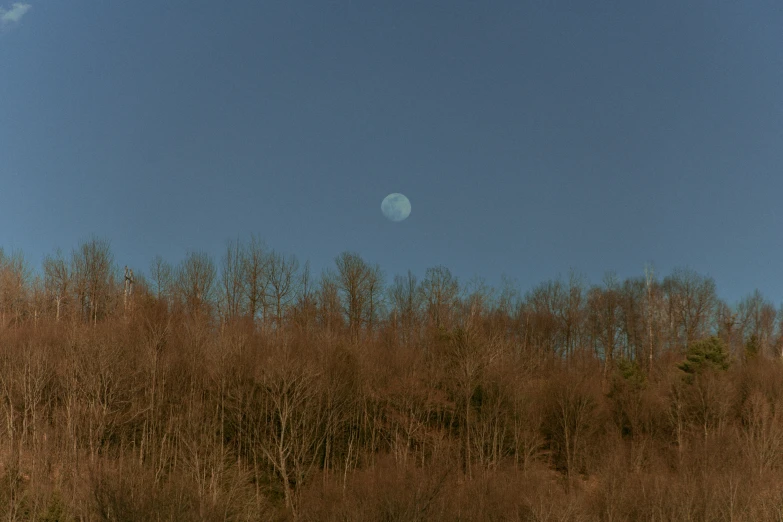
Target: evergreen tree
{"points": [[706, 354]]}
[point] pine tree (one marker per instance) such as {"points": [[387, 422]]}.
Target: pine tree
{"points": [[704, 355]]}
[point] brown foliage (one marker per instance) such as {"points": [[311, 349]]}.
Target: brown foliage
{"points": [[262, 395]]}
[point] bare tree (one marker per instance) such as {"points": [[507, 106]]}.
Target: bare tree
{"points": [[559, 310], [467, 358], [196, 283], [727, 324], [510, 296], [57, 280], [38, 300], [573, 421], [477, 301], [292, 434], [569, 308], [14, 285], [162, 279], [255, 262], [440, 291], [375, 298], [603, 305], [542, 332], [306, 304], [692, 301], [651, 285], [281, 283], [330, 309], [756, 318], [406, 301], [14, 282], [353, 280], [92, 267], [634, 319], [231, 280]]}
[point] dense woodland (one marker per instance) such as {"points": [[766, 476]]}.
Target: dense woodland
{"points": [[248, 388]]}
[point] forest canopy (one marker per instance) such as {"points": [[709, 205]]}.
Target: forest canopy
{"points": [[248, 388], [638, 318]]}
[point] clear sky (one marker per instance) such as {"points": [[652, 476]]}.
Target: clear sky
{"points": [[531, 137]]}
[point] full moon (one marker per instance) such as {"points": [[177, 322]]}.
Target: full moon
{"points": [[396, 207]]}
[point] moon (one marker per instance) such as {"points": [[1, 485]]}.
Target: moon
{"points": [[396, 207]]}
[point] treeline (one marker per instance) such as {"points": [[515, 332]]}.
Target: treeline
{"points": [[248, 388], [639, 319]]}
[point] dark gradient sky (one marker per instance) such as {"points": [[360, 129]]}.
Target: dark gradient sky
{"points": [[531, 137]]}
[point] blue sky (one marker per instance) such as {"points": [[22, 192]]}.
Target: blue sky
{"points": [[531, 137]]}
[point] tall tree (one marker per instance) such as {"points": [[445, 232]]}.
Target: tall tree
{"points": [[406, 298], [57, 281], [330, 307], [542, 329], [569, 308], [604, 311], [756, 318], [196, 283], [652, 305], [353, 279], [162, 279], [281, 283], [92, 268], [231, 280], [14, 286], [477, 301], [375, 296], [692, 301], [305, 299], [440, 289], [559, 309], [727, 326], [634, 336], [255, 262]]}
